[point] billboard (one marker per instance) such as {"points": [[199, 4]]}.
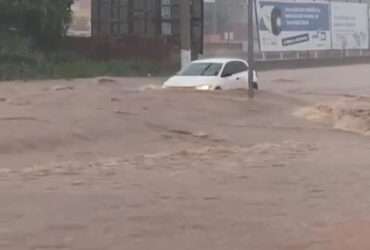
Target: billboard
{"points": [[287, 25], [349, 25]]}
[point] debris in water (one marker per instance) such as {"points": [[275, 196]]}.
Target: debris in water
{"points": [[115, 99], [105, 80], [150, 87], [62, 88]]}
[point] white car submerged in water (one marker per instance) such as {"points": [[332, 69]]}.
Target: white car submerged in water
{"points": [[213, 74]]}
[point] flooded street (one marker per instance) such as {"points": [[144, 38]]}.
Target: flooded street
{"points": [[118, 163]]}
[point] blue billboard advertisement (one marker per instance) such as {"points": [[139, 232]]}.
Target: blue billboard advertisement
{"points": [[287, 25]]}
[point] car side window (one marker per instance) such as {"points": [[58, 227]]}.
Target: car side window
{"points": [[234, 67], [229, 69], [241, 67]]}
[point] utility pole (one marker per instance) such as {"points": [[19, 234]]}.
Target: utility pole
{"points": [[250, 49], [185, 32]]}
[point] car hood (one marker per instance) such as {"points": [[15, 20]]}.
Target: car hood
{"points": [[190, 81]]}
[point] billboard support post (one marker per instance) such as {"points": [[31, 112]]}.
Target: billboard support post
{"points": [[185, 32]]}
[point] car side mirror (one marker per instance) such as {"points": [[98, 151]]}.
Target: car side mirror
{"points": [[226, 74]]}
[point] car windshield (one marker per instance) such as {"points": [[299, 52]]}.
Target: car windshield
{"points": [[202, 69]]}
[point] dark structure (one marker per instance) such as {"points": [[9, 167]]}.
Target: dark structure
{"points": [[146, 20]]}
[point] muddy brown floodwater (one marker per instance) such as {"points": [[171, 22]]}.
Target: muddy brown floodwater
{"points": [[118, 163]]}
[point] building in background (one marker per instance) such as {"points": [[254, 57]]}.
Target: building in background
{"points": [[145, 19], [226, 21], [81, 19], [151, 27]]}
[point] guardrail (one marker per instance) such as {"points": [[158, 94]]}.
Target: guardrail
{"points": [[279, 60]]}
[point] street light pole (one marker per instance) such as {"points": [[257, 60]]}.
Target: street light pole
{"points": [[250, 49], [185, 32]]}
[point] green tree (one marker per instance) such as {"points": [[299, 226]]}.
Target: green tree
{"points": [[44, 21]]}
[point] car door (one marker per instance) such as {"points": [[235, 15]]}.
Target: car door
{"points": [[235, 75], [241, 74]]}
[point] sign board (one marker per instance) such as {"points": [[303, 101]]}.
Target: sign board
{"points": [[286, 25], [349, 25]]}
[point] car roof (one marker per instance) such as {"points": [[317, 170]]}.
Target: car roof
{"points": [[218, 60]]}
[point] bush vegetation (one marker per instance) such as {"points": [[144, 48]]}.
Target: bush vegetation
{"points": [[31, 34]]}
